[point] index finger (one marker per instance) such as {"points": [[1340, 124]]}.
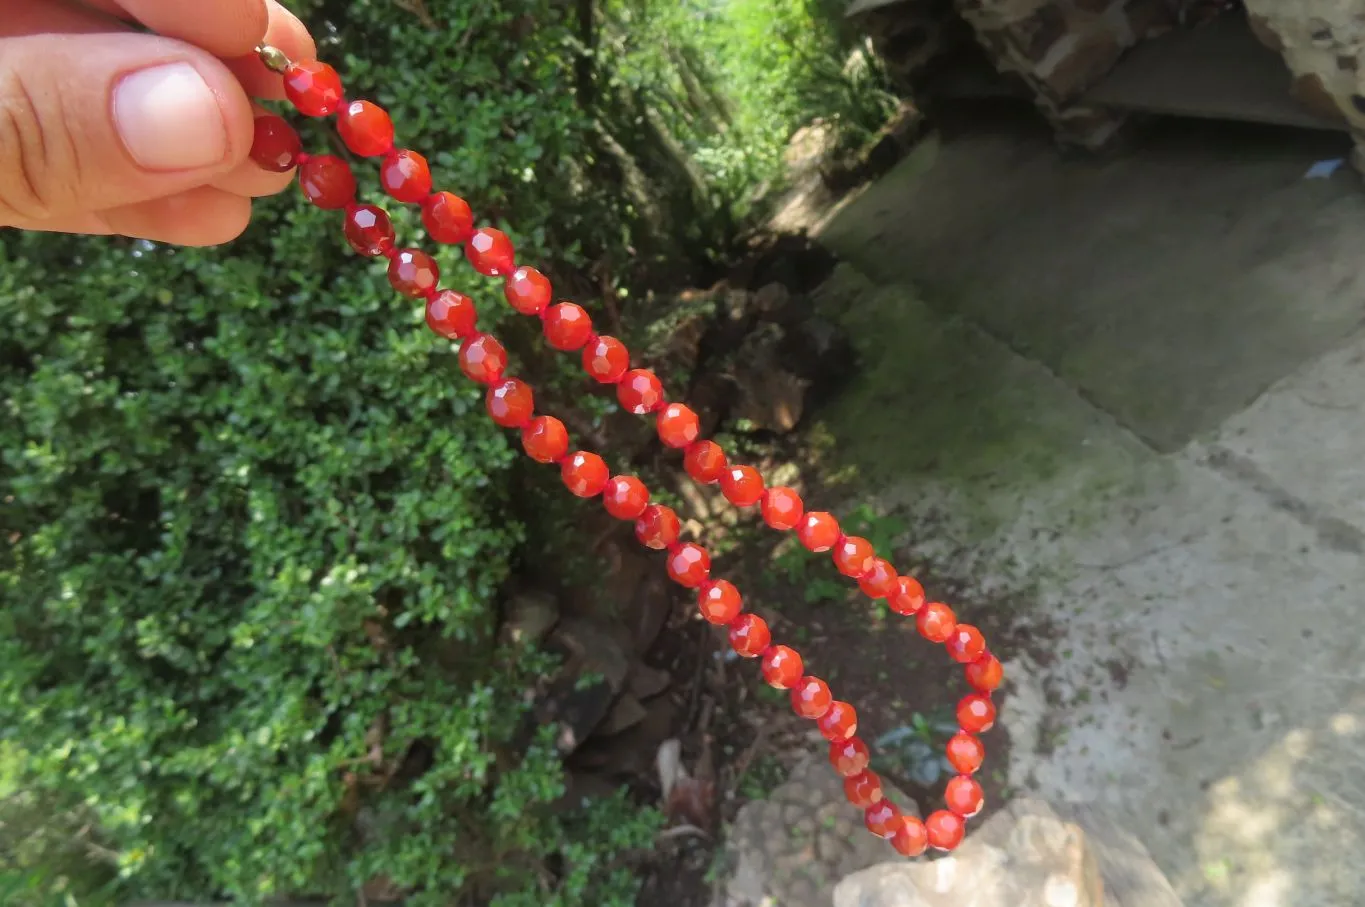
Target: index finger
{"points": [[224, 28]]}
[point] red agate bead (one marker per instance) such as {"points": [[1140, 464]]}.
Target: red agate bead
{"points": [[510, 403], [491, 253], [882, 818], [976, 713], [964, 797], [781, 667], [606, 359], [658, 527], [365, 128], [741, 485], [327, 182], [782, 508], [368, 229], [878, 580], [749, 635], [986, 673], [405, 175], [639, 391], [853, 555], [839, 722], [863, 789], [584, 473], [451, 314], [965, 753], [689, 565], [413, 272], [276, 146], [944, 829], [567, 327], [545, 439], [483, 359], [936, 622], [678, 426], [911, 839], [704, 461], [965, 644], [719, 602], [313, 87], [527, 290], [907, 597], [849, 757], [811, 697], [818, 531], [447, 218], [625, 497]]}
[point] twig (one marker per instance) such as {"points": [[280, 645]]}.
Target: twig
{"points": [[703, 653], [746, 759], [681, 831]]}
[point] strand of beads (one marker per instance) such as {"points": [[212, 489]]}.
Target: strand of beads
{"points": [[327, 181]]}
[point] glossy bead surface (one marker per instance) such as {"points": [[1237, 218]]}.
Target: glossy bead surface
{"points": [[413, 272], [782, 508], [527, 290], [966, 644], [818, 531], [853, 555], [849, 757], [483, 359], [405, 175], [639, 391], [963, 796], [936, 622], [567, 327], [741, 485], [944, 830], [965, 753], [863, 789], [882, 818], [510, 403], [365, 128], [705, 462], [879, 580], [451, 314], [678, 425], [447, 218], [976, 713], [839, 722], [275, 145], [545, 440], [782, 667], [749, 635], [908, 596], [719, 602], [911, 838], [313, 87], [327, 182], [811, 697], [606, 359], [584, 473], [368, 229], [491, 253], [986, 673], [689, 565], [658, 527], [625, 497]]}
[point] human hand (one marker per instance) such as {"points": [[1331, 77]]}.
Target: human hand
{"points": [[106, 130]]}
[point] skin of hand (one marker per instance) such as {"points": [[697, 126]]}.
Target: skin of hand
{"points": [[108, 129]]}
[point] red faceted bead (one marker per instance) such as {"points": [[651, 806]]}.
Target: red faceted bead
{"points": [[964, 797], [839, 722], [413, 272], [545, 440], [658, 527], [849, 757], [741, 485], [879, 580], [368, 229], [584, 473], [882, 818], [327, 182], [313, 87], [965, 644], [689, 565], [511, 403], [944, 830], [986, 673], [451, 314], [853, 555], [936, 622], [818, 531], [447, 218], [490, 252], [749, 635], [405, 175], [567, 326], [976, 713], [366, 128], [911, 838], [907, 597], [965, 753], [781, 667], [625, 497], [782, 508], [639, 391], [678, 425], [606, 359], [483, 359], [863, 789], [811, 697], [705, 462], [719, 602], [527, 290], [276, 146]]}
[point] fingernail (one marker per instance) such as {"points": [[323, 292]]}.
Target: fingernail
{"points": [[169, 118]]}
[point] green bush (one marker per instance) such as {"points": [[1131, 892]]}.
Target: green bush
{"points": [[254, 524]]}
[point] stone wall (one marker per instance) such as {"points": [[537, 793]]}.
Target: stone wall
{"points": [[908, 35]]}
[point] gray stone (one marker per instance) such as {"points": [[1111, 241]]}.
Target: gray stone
{"points": [[530, 616]]}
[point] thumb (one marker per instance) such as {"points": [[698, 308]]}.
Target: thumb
{"points": [[96, 121]]}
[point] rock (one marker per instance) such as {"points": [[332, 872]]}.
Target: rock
{"points": [[886, 885], [575, 708], [592, 648], [530, 616], [575, 704], [646, 682], [770, 397], [625, 714]]}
